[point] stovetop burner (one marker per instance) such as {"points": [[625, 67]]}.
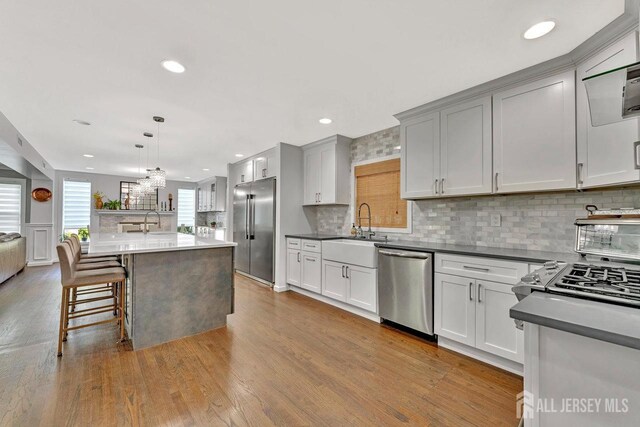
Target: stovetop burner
{"points": [[617, 284]]}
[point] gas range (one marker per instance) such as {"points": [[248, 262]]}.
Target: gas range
{"points": [[601, 281]]}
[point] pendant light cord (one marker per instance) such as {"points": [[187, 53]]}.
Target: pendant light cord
{"points": [[158, 144]]}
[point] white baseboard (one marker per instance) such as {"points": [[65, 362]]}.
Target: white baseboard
{"points": [[491, 359], [351, 309], [39, 263], [284, 288]]}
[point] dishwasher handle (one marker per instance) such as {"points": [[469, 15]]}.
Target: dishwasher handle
{"points": [[405, 254]]}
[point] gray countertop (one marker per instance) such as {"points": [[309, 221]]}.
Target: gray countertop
{"points": [[501, 253], [613, 323]]}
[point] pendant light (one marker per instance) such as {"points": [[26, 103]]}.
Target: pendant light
{"points": [[146, 186], [135, 190], [157, 175]]}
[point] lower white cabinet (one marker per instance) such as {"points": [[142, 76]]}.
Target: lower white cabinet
{"points": [[474, 311], [311, 276], [294, 266], [351, 284]]}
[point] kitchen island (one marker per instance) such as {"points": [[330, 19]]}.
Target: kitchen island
{"points": [[177, 284]]}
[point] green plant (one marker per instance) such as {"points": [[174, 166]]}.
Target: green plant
{"points": [[112, 205], [98, 195], [65, 236], [83, 233]]}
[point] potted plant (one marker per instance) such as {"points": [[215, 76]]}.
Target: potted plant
{"points": [[83, 233], [98, 195]]}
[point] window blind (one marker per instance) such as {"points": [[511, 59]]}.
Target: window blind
{"points": [[378, 184], [186, 207], [76, 205], [10, 207]]}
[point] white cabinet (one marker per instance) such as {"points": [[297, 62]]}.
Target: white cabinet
{"points": [[605, 153], [265, 165], [311, 277], [534, 141], [212, 195], [420, 156], [334, 282], [455, 308], [465, 148], [294, 266], [244, 172], [362, 287], [474, 311], [304, 268], [327, 172], [495, 331]]}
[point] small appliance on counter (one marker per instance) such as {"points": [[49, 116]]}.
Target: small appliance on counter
{"points": [[602, 236]]}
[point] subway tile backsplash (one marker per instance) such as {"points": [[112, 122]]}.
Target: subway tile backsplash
{"points": [[541, 221]]}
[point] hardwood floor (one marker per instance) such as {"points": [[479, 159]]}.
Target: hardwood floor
{"points": [[283, 359]]}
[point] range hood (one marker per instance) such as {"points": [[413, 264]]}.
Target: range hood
{"points": [[614, 95]]}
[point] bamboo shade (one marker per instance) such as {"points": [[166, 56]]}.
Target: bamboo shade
{"points": [[378, 184]]}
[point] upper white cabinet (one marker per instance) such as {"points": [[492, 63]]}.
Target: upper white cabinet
{"points": [[212, 195], [327, 172], [243, 172], [605, 153], [447, 152], [465, 148], [534, 139], [420, 156], [265, 165]]}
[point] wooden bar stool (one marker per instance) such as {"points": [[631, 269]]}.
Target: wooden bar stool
{"points": [[88, 282]]}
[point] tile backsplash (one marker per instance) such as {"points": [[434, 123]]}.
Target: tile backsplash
{"points": [[540, 221]]}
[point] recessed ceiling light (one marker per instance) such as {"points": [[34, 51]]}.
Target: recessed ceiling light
{"points": [[397, 147], [239, 155], [82, 122], [539, 30], [89, 168], [173, 66], [325, 121], [205, 169], [187, 177], [89, 156]]}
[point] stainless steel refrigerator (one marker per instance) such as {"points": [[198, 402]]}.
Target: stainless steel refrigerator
{"points": [[254, 208]]}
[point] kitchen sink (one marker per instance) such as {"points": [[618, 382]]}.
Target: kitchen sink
{"points": [[348, 251]]}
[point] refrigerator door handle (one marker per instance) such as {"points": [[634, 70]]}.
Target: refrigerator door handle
{"points": [[246, 218], [252, 216]]}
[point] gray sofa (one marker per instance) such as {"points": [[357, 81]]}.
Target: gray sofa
{"points": [[13, 257]]}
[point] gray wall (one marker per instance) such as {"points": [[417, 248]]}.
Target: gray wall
{"points": [[542, 221]]}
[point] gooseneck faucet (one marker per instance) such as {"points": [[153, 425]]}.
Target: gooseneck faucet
{"points": [[369, 233], [146, 229]]}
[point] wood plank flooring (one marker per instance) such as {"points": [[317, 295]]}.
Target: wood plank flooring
{"points": [[283, 359]]}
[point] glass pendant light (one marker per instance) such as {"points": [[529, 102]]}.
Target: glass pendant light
{"points": [[158, 176], [146, 186]]}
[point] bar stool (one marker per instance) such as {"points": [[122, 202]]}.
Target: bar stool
{"points": [[84, 283], [87, 258]]}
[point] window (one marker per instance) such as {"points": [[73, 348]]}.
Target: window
{"points": [[378, 185], [76, 205], [10, 207], [186, 207]]}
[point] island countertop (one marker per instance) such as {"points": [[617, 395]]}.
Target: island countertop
{"points": [[129, 243]]}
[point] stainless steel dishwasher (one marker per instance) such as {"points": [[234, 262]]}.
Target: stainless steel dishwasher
{"points": [[405, 288]]}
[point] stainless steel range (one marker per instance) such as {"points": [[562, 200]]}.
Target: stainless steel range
{"points": [[602, 236]]}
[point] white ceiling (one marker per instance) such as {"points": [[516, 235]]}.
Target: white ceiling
{"points": [[258, 72]]}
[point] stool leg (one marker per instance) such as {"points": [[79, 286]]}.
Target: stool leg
{"points": [[74, 297], [121, 298], [63, 307], [114, 290], [66, 313]]}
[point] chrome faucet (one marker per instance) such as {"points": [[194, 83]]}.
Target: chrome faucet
{"points": [[366, 234], [146, 229]]}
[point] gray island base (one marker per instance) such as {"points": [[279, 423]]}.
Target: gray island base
{"points": [[179, 293]]}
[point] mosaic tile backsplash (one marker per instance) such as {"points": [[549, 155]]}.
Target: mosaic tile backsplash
{"points": [[541, 221]]}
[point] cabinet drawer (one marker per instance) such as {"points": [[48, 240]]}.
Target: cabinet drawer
{"points": [[312, 246], [492, 269], [293, 244]]}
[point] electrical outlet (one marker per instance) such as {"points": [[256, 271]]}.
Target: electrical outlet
{"points": [[496, 220]]}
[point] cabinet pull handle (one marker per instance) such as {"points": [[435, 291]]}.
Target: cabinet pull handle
{"points": [[343, 271], [468, 267], [298, 256], [310, 259], [319, 197], [479, 287], [264, 173], [636, 155], [442, 186], [470, 291], [347, 272], [580, 166], [436, 186], [242, 178], [496, 182]]}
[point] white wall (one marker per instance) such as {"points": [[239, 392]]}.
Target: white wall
{"points": [[41, 212]]}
